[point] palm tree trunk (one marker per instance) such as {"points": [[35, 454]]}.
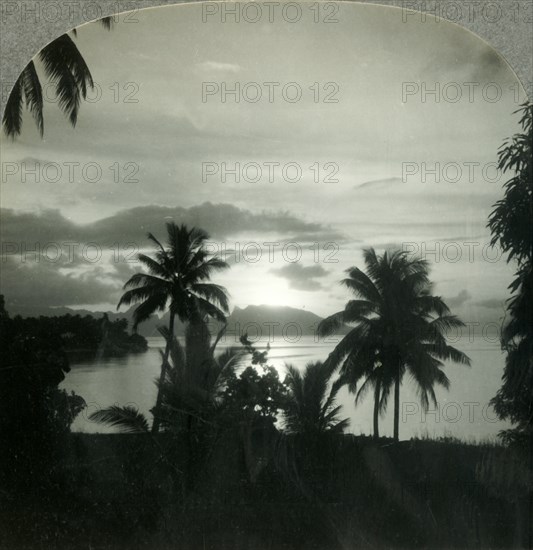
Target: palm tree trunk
{"points": [[397, 405], [377, 389], [155, 425]]}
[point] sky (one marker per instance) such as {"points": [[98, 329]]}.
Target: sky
{"points": [[346, 166]]}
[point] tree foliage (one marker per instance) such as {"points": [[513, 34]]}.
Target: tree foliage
{"points": [[511, 224], [311, 407]]}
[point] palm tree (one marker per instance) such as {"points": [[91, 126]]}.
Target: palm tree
{"points": [[399, 326], [310, 408], [64, 65], [176, 276]]}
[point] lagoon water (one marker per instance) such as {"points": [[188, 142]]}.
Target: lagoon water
{"points": [[461, 412]]}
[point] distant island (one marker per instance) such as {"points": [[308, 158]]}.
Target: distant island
{"points": [[82, 333], [255, 320]]}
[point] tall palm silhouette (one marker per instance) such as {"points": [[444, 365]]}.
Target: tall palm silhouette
{"points": [[311, 408], [176, 277], [64, 65], [399, 326]]}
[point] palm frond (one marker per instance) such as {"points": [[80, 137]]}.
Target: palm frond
{"points": [[106, 22], [331, 324], [151, 304], [210, 309], [12, 119], [33, 95], [311, 408], [213, 293], [150, 282], [154, 267], [127, 419], [65, 66], [362, 285]]}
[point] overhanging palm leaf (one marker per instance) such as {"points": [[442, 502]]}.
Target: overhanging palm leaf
{"points": [[127, 419], [33, 95], [64, 65]]}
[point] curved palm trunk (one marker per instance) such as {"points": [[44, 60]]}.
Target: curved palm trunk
{"points": [[377, 391], [397, 405], [155, 425]]}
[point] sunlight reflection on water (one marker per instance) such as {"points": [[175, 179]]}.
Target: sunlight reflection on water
{"points": [[462, 411]]}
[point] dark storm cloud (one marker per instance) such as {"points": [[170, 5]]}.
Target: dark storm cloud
{"points": [[40, 284], [45, 226], [132, 225], [300, 277]]}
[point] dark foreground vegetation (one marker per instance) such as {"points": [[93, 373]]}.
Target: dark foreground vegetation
{"points": [[283, 492]]}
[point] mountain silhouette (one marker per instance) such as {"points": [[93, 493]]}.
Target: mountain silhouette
{"points": [[256, 320]]}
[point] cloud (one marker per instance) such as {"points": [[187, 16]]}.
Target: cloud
{"points": [[42, 284], [300, 277], [216, 66], [48, 260], [131, 225], [459, 300], [380, 184]]}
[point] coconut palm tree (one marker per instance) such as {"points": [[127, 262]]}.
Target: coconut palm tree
{"points": [[311, 408], [176, 278], [64, 65], [399, 326]]}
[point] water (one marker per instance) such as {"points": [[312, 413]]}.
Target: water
{"points": [[461, 412]]}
